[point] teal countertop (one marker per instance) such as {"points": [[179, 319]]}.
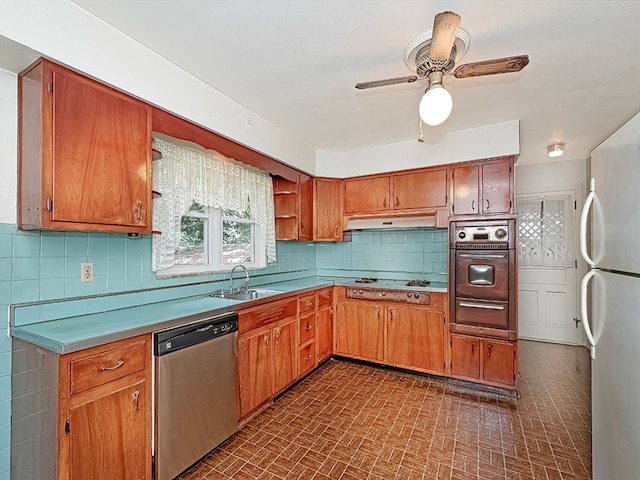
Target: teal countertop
{"points": [[75, 333]]}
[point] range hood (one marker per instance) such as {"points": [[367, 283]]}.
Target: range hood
{"points": [[370, 223]]}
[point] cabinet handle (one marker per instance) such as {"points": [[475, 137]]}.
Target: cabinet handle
{"points": [[266, 340], [337, 231], [307, 358], [390, 314], [487, 204], [480, 305], [136, 399], [139, 214], [489, 349], [384, 203], [326, 296], [378, 311], [308, 304], [276, 334], [397, 202], [473, 347], [473, 203], [308, 327], [117, 365]]}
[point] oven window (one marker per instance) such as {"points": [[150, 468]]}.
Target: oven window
{"points": [[481, 275]]}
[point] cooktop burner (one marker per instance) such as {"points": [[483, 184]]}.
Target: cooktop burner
{"points": [[366, 280], [418, 283]]}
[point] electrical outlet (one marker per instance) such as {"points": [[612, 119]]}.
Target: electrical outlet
{"points": [[86, 272]]}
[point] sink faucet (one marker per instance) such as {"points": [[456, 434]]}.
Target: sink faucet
{"points": [[246, 281]]}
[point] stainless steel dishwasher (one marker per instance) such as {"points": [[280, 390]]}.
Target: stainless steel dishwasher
{"points": [[196, 391]]}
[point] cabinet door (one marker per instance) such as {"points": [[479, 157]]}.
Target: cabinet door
{"points": [[101, 171], [498, 359], [496, 188], [363, 195], [254, 362], [325, 332], [360, 330], [465, 356], [285, 350], [415, 338], [108, 435], [305, 207], [420, 190], [327, 206], [465, 190]]}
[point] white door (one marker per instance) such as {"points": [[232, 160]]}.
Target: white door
{"points": [[548, 268]]}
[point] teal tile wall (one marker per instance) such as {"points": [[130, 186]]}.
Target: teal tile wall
{"points": [[411, 251], [40, 266]]}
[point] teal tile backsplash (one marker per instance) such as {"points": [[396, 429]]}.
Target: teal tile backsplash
{"points": [[43, 266]]}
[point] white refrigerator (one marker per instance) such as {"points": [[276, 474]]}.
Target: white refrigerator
{"points": [[612, 318]]}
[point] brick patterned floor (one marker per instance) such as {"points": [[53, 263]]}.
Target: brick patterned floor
{"points": [[354, 422]]}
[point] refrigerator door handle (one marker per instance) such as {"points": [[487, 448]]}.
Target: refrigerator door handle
{"points": [[583, 224], [584, 311]]}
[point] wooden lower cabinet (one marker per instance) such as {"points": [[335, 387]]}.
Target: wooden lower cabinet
{"points": [[105, 412], [324, 332], [401, 335], [360, 330], [267, 363], [484, 359], [415, 338], [284, 356]]}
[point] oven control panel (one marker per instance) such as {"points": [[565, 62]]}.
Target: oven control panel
{"points": [[482, 234]]}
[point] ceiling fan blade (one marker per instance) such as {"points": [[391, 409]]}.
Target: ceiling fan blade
{"points": [[388, 81], [445, 26], [492, 67]]}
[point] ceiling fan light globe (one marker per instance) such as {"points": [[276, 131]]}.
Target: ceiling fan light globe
{"points": [[435, 106]]}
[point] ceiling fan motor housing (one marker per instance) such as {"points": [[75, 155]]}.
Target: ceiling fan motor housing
{"points": [[424, 64]]}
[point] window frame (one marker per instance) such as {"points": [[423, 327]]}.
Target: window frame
{"points": [[213, 243]]}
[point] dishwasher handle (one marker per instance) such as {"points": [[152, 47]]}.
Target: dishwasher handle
{"points": [[177, 338]]}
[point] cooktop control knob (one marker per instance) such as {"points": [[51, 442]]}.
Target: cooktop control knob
{"points": [[409, 295], [360, 291], [501, 233], [416, 295], [383, 294], [354, 290], [462, 235]]}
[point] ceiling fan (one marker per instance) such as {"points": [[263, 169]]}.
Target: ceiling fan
{"points": [[432, 56]]}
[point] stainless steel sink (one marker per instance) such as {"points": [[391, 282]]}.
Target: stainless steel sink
{"points": [[251, 294]]}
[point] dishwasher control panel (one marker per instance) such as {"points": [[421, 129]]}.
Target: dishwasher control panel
{"points": [[177, 338]]}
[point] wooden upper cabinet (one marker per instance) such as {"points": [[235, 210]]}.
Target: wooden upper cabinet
{"points": [[327, 215], [293, 205], [483, 188], [465, 190], [367, 195], [418, 190], [496, 187], [85, 154]]}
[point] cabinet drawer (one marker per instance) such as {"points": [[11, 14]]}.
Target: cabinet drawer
{"points": [[307, 358], [307, 303], [325, 297], [101, 368], [265, 314], [307, 327]]}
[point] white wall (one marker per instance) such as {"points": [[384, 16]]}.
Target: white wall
{"points": [[473, 144], [557, 174], [8, 146], [62, 31]]}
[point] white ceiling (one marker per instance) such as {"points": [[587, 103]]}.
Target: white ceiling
{"points": [[295, 63]]}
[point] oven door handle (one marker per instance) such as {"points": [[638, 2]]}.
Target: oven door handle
{"points": [[482, 255], [481, 305]]}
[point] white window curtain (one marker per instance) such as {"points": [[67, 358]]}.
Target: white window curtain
{"points": [[186, 173]]}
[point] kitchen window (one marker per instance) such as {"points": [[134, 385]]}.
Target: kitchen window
{"points": [[213, 239], [213, 212]]}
